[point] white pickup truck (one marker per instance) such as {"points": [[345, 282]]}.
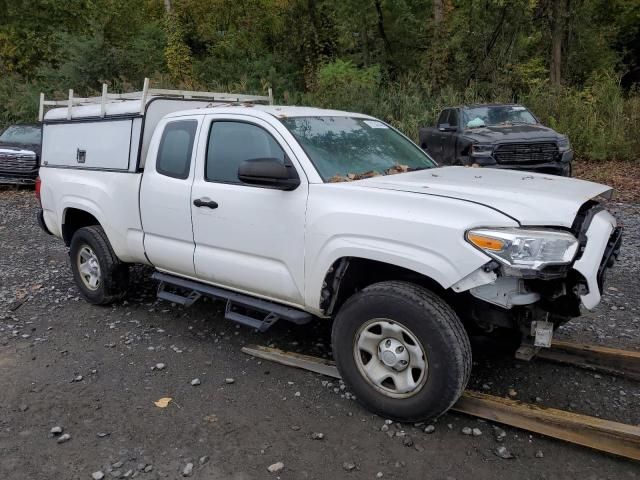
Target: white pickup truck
{"points": [[303, 214]]}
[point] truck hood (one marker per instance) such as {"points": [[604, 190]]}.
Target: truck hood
{"points": [[528, 198], [510, 133]]}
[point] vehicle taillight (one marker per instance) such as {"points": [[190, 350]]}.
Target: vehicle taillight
{"points": [[38, 186]]}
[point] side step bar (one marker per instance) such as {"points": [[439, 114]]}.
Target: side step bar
{"points": [[238, 305]]}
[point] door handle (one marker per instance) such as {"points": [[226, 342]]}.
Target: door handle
{"points": [[199, 202]]}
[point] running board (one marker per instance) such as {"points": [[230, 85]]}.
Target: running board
{"points": [[238, 305]]}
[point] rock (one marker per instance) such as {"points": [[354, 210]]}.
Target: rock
{"points": [[467, 431], [116, 473], [23, 408], [379, 475], [117, 465], [78, 378], [229, 381], [502, 452], [56, 430], [65, 437], [297, 394], [102, 434], [195, 382], [476, 432], [160, 366], [349, 466], [187, 471], [275, 467], [384, 428], [539, 454], [499, 434], [317, 436], [97, 475], [295, 428], [148, 468], [407, 441], [127, 474], [512, 393], [204, 459], [429, 429]]}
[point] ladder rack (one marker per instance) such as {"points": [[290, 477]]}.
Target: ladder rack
{"points": [[145, 94]]}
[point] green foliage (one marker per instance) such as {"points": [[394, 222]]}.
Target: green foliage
{"points": [[394, 59]]}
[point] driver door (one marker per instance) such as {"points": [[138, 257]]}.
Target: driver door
{"points": [[247, 238]]}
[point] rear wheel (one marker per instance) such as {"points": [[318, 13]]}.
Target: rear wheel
{"points": [[402, 351], [99, 275]]}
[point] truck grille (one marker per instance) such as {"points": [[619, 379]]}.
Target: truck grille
{"points": [[526, 152], [17, 163]]}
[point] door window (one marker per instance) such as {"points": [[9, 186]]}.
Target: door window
{"points": [[443, 117], [231, 143], [176, 145], [453, 118]]}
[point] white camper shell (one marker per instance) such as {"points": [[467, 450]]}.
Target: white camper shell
{"points": [[70, 138]]}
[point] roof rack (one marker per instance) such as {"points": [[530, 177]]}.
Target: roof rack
{"points": [[143, 96]]}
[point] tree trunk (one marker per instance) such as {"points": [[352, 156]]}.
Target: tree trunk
{"points": [[438, 11], [558, 26], [167, 6], [381, 30]]}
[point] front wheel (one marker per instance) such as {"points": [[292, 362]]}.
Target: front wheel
{"points": [[402, 351]]}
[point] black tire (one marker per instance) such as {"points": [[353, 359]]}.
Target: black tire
{"points": [[432, 321], [114, 275]]}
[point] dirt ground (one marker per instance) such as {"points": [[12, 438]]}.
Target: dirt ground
{"points": [[91, 371]]}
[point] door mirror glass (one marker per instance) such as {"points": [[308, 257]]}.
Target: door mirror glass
{"points": [[268, 172]]}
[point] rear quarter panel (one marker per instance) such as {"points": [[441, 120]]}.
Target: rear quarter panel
{"points": [[111, 197]]}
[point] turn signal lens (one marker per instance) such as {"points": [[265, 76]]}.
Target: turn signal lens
{"points": [[486, 243]]}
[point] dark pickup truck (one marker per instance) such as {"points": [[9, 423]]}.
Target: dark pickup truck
{"points": [[20, 147], [497, 136]]}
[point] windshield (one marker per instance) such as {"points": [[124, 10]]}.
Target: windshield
{"points": [[346, 148], [21, 135], [497, 115]]}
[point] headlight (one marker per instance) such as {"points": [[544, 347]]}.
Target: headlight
{"points": [[564, 145], [525, 249], [481, 150]]}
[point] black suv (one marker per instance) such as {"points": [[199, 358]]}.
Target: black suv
{"points": [[20, 147]]}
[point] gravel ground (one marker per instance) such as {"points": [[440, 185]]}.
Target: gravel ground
{"points": [[94, 372]]}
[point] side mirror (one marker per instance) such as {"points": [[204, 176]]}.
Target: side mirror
{"points": [[268, 172], [445, 127]]}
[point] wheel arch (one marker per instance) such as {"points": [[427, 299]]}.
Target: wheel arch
{"points": [[73, 219], [350, 274]]}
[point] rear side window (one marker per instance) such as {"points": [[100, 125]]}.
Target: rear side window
{"points": [[231, 143], [176, 145]]}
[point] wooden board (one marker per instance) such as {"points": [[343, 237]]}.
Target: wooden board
{"points": [[604, 435], [624, 363]]}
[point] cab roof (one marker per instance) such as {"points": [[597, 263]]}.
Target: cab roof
{"points": [[279, 111]]}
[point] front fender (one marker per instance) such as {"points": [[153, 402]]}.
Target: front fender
{"points": [[444, 269]]}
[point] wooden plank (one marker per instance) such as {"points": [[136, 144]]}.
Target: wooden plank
{"points": [[624, 363], [604, 435], [306, 362]]}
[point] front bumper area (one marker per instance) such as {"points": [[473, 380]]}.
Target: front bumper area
{"points": [[603, 240], [561, 167]]}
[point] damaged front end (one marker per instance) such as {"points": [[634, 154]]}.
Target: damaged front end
{"points": [[538, 278]]}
